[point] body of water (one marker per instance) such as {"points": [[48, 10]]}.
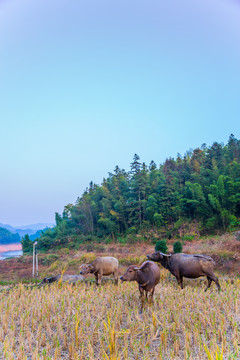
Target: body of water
{"points": [[8, 254]]}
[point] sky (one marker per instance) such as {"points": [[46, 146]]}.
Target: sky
{"points": [[85, 84]]}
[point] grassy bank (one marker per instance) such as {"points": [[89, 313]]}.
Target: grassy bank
{"points": [[224, 249]]}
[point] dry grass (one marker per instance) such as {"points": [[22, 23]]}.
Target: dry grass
{"points": [[89, 322]]}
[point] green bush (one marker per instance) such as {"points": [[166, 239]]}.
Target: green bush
{"points": [[108, 241], [56, 265], [122, 241], [132, 260], [131, 239], [49, 259], [177, 247], [132, 230], [161, 245], [188, 237], [90, 248], [87, 258], [75, 263], [53, 257]]}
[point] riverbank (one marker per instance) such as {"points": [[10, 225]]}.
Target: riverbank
{"points": [[10, 247]]}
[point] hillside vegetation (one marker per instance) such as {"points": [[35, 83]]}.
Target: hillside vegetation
{"points": [[6, 237], [195, 194]]}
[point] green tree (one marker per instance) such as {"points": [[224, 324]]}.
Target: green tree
{"points": [[177, 247], [161, 245], [203, 187], [27, 244]]}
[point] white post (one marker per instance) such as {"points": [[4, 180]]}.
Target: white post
{"points": [[33, 271], [36, 263]]}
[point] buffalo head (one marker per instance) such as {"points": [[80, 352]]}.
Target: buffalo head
{"points": [[130, 274], [158, 256], [133, 272], [86, 269], [45, 280]]}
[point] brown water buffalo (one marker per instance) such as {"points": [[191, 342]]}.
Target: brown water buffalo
{"points": [[185, 265], [101, 266], [147, 277], [65, 279]]}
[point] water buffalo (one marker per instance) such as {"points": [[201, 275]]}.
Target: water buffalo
{"points": [[101, 266], [65, 278], [185, 265], [147, 277]]}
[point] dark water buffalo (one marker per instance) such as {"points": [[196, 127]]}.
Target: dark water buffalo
{"points": [[65, 279], [147, 277], [100, 267], [185, 265]]}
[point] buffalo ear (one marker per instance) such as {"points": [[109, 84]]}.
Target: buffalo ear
{"points": [[146, 264]]}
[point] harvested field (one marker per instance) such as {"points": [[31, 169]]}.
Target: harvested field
{"points": [[89, 322]]}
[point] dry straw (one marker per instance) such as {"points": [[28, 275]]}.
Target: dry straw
{"points": [[63, 321]]}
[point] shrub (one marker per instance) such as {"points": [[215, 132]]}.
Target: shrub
{"points": [[122, 241], [53, 257], [161, 245], [90, 248], [99, 248], [108, 241], [63, 251], [188, 237], [56, 265], [74, 263], [177, 247], [131, 239], [132, 230], [49, 259], [87, 258], [132, 260], [237, 235]]}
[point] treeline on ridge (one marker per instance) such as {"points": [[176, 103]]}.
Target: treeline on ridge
{"points": [[6, 237], [198, 193]]}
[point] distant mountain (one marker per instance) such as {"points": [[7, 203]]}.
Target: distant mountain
{"points": [[37, 234], [36, 227], [7, 237], [26, 229], [8, 227]]}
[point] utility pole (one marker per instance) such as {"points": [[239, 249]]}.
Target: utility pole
{"points": [[35, 256], [33, 271], [36, 262]]}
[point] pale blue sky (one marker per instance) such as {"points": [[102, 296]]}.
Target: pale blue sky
{"points": [[86, 84]]}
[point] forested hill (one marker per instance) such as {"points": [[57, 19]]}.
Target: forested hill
{"points": [[195, 193], [6, 237]]}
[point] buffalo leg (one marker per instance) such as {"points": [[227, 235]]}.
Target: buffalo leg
{"points": [[215, 279], [151, 292], [180, 281], [115, 274], [209, 283], [218, 285], [141, 298], [98, 278]]}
